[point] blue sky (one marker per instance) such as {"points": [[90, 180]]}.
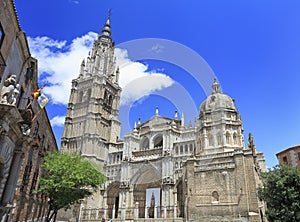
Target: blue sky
{"points": [[252, 47]]}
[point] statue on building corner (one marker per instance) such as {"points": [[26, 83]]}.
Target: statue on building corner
{"points": [[10, 90]]}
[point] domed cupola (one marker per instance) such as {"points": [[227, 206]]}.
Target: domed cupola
{"points": [[219, 126], [216, 101]]}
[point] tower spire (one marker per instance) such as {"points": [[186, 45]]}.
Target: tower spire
{"points": [[106, 31]]}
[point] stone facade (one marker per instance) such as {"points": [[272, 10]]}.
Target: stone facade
{"points": [[201, 173], [23, 141]]}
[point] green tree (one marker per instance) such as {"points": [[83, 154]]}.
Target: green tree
{"points": [[67, 178], [281, 192]]}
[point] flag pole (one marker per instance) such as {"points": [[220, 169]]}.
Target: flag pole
{"points": [[42, 107], [37, 90]]}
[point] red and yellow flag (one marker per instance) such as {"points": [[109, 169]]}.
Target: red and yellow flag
{"points": [[36, 93]]}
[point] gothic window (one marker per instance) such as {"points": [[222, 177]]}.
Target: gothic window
{"points": [[181, 149], [158, 142], [228, 138], [235, 139], [176, 149], [186, 149], [215, 197], [118, 158]]}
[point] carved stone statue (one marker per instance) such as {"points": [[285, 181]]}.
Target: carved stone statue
{"points": [[10, 91]]}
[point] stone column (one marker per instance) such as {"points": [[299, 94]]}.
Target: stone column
{"points": [[175, 210], [123, 211], [175, 202], [131, 204], [146, 210], [136, 211], [105, 211], [113, 212]]}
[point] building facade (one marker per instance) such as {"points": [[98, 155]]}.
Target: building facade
{"points": [[22, 144], [290, 156], [163, 169]]}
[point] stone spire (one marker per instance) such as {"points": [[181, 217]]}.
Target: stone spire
{"points": [[251, 144], [106, 32], [82, 68], [182, 119]]}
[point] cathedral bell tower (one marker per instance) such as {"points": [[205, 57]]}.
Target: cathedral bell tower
{"points": [[91, 123]]}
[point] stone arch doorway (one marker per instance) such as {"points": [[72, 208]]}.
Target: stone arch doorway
{"points": [[113, 191], [148, 176]]}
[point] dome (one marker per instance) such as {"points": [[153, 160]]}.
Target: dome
{"points": [[217, 100]]}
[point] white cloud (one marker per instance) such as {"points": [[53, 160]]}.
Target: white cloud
{"points": [[57, 121], [136, 81], [59, 62]]}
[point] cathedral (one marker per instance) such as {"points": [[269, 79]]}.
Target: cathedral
{"points": [[163, 170]]}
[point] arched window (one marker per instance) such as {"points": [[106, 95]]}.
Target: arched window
{"points": [[235, 139], [228, 141], [176, 149], [158, 141], [144, 144], [215, 197], [181, 149], [186, 150]]}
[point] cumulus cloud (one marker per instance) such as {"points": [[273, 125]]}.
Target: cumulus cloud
{"points": [[57, 121], [136, 81], [59, 63]]}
